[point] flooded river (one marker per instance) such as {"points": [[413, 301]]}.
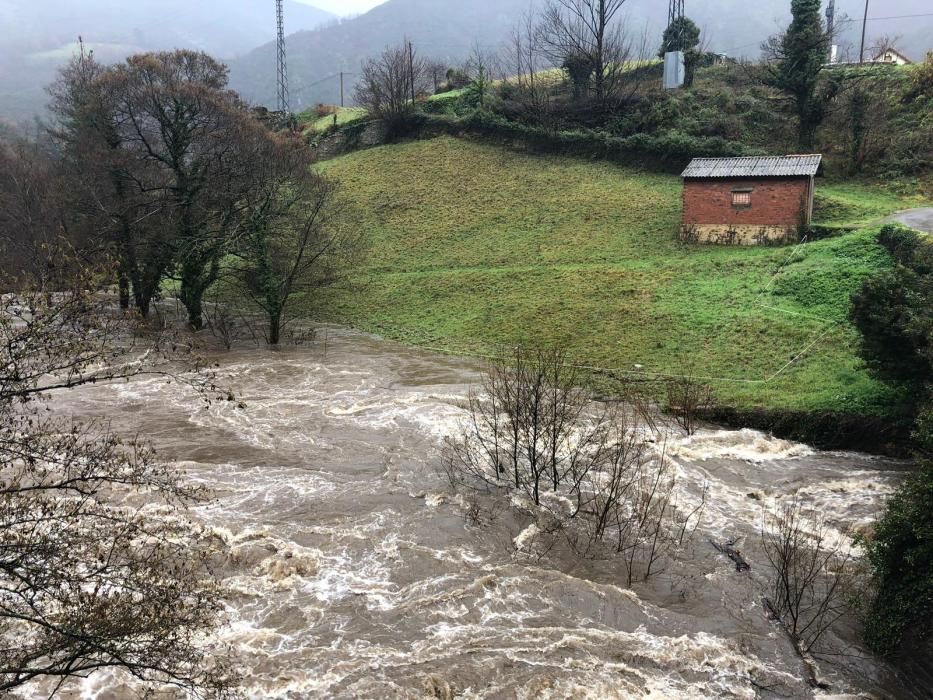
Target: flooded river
{"points": [[353, 574]]}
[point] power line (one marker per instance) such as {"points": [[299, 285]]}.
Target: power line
{"points": [[925, 14], [870, 19], [320, 82]]}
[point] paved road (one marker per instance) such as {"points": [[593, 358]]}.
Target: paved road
{"points": [[920, 219]]}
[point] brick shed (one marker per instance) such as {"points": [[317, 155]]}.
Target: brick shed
{"points": [[756, 200]]}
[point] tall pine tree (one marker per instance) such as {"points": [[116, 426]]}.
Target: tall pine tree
{"points": [[796, 60]]}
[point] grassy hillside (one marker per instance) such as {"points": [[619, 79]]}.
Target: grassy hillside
{"points": [[475, 247]]}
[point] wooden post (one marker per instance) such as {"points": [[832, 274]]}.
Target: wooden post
{"points": [[861, 54], [411, 71]]}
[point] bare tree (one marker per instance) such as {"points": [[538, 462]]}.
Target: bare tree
{"points": [[33, 214], [91, 579], [525, 86], [811, 573], [585, 469], [389, 82], [686, 397], [588, 36], [437, 70]]}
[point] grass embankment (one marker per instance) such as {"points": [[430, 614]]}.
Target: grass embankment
{"points": [[313, 122], [475, 248]]}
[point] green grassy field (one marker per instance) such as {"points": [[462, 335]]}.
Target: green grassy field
{"points": [[475, 247]]}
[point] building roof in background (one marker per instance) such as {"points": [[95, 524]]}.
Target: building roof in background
{"points": [[881, 56], [754, 166]]}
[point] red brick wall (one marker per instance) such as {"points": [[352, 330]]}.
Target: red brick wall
{"points": [[775, 202]]}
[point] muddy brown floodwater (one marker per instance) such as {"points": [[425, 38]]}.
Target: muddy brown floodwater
{"points": [[353, 574]]}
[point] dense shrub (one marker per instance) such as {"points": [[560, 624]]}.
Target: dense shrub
{"points": [[451, 103], [894, 313], [671, 149], [901, 556]]}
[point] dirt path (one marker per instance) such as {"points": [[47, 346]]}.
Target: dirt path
{"points": [[919, 219]]}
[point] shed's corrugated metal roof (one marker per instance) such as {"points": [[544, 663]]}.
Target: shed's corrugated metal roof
{"points": [[754, 166]]}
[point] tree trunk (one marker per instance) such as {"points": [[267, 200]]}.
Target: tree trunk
{"points": [[275, 328], [194, 303], [124, 283], [198, 273], [143, 300]]}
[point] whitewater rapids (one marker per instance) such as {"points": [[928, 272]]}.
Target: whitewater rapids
{"points": [[353, 574]]}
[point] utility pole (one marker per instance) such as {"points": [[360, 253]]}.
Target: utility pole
{"points": [[281, 66], [861, 53], [341, 88], [411, 70]]}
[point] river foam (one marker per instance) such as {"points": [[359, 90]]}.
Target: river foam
{"points": [[353, 573]]}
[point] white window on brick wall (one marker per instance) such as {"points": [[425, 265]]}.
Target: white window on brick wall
{"points": [[741, 198]]}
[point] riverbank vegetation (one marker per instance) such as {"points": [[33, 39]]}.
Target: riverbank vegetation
{"points": [[90, 580], [158, 164], [579, 471], [894, 314]]}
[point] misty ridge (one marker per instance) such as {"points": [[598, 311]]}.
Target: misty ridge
{"points": [[41, 36]]}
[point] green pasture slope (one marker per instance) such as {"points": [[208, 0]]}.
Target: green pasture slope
{"points": [[475, 247]]}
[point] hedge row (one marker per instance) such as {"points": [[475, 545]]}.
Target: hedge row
{"points": [[668, 151]]}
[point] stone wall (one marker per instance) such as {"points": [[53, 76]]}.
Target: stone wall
{"points": [[739, 234], [352, 138]]}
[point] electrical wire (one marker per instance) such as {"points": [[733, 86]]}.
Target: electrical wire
{"points": [[296, 91]]}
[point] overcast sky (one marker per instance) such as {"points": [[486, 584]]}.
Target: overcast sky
{"points": [[345, 7]]}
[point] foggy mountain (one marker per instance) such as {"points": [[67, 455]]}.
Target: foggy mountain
{"points": [[446, 29], [40, 35]]}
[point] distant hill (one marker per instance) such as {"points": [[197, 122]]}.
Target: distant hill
{"points": [[45, 33], [446, 29], [441, 29]]}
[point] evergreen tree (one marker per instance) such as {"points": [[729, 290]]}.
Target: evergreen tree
{"points": [[795, 63], [683, 35]]}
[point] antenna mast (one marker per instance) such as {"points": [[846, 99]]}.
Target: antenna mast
{"points": [[281, 66]]}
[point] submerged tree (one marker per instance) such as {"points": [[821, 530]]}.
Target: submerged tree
{"points": [[161, 146], [582, 469], [810, 573], [288, 242]]}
